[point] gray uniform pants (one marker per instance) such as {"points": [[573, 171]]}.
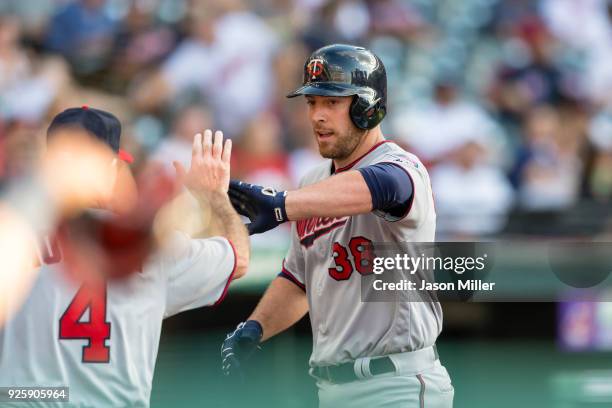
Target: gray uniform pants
{"points": [[419, 381]]}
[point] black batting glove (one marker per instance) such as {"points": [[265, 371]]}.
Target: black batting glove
{"points": [[264, 206], [238, 346]]}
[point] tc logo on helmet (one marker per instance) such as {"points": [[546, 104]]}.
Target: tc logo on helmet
{"points": [[315, 68]]}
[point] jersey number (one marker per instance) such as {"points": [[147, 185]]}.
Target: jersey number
{"points": [[361, 251], [96, 330]]}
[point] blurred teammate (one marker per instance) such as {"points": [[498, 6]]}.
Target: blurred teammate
{"points": [[365, 354], [98, 336], [64, 192]]}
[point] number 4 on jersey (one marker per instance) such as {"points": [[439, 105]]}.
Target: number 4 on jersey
{"points": [[96, 330]]}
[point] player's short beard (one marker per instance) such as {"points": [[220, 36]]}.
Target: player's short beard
{"points": [[344, 145]]}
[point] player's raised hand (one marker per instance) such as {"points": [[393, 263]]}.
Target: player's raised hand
{"points": [[210, 165]]}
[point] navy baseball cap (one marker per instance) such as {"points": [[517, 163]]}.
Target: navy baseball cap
{"points": [[101, 124]]}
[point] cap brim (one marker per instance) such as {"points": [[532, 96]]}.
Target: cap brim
{"points": [[325, 89]]}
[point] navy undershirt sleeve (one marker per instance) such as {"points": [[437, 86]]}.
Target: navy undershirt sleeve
{"points": [[390, 186]]}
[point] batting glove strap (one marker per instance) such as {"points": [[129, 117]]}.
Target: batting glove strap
{"points": [[264, 206]]}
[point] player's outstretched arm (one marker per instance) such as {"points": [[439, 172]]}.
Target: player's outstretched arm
{"points": [[385, 187], [283, 304], [341, 195], [382, 186], [233, 229], [338, 196], [208, 180]]}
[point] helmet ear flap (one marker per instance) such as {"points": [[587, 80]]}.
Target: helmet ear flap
{"points": [[367, 114]]}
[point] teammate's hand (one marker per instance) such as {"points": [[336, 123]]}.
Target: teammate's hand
{"points": [[238, 347], [264, 206], [210, 165]]}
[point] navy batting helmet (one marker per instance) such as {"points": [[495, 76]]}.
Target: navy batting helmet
{"points": [[347, 70]]}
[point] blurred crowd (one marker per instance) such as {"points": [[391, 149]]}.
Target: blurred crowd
{"points": [[508, 103]]}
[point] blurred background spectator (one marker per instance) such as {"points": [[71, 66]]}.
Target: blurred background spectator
{"points": [[507, 102], [83, 33], [435, 129], [177, 145], [473, 197], [547, 169], [225, 58]]}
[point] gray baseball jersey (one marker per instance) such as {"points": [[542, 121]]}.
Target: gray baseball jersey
{"points": [[324, 259], [102, 341]]}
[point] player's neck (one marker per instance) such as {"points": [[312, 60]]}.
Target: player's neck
{"points": [[371, 138]]}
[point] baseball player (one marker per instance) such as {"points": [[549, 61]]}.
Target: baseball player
{"points": [[64, 192], [365, 354], [99, 337]]}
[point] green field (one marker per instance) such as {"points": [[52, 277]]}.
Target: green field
{"points": [[485, 374]]}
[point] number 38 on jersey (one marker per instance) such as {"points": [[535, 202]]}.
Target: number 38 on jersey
{"points": [[357, 255]]}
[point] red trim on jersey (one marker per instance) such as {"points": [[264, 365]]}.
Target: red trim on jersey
{"points": [[292, 277], [351, 164], [411, 199], [231, 277]]}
